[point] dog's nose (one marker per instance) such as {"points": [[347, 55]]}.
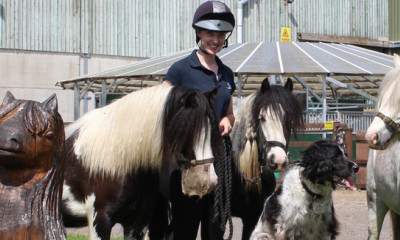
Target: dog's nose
{"points": [[355, 168]]}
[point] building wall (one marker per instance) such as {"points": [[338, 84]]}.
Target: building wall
{"points": [[33, 75], [153, 28], [42, 41], [347, 18], [394, 20]]}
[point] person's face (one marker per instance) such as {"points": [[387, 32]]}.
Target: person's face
{"points": [[211, 42]]}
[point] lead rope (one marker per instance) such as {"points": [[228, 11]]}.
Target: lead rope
{"points": [[222, 198]]}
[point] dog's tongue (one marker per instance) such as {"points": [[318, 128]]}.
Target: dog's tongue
{"points": [[349, 183]]}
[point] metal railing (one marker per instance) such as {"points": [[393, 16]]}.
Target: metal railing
{"points": [[358, 121]]}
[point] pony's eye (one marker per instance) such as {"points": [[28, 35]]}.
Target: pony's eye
{"points": [[49, 134], [261, 118]]}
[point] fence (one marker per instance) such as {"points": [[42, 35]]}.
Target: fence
{"points": [[358, 121]]}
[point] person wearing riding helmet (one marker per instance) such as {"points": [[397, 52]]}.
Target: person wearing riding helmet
{"points": [[213, 22], [202, 70]]}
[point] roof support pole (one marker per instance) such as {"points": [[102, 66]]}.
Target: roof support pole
{"points": [[77, 100], [324, 107], [103, 93], [239, 87]]}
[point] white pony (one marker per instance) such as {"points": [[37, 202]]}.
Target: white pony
{"points": [[383, 168]]}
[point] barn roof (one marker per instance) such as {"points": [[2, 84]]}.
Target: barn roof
{"points": [[347, 70], [357, 67]]}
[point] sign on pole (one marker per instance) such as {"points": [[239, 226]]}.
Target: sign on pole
{"points": [[285, 34]]}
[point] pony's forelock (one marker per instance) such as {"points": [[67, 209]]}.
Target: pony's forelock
{"points": [[388, 97], [285, 108]]}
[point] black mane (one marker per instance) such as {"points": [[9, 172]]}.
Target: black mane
{"points": [[283, 103]]}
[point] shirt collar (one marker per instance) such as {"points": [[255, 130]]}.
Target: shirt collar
{"points": [[195, 62]]}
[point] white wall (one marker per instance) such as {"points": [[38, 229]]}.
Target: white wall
{"points": [[33, 75]]}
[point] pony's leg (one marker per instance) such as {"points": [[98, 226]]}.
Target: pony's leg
{"points": [[159, 224], [395, 225], [186, 212], [130, 233], [376, 208], [98, 225], [248, 227], [376, 214], [102, 226]]}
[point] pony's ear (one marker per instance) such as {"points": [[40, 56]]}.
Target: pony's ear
{"points": [[51, 103], [289, 84], [265, 85], [211, 95], [396, 60], [8, 98]]}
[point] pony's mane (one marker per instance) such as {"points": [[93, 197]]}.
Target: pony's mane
{"points": [[124, 135], [285, 108], [389, 96]]}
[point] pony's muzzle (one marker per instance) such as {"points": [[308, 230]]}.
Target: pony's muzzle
{"points": [[199, 180]]}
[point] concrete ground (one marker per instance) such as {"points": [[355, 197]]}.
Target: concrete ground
{"points": [[351, 211]]}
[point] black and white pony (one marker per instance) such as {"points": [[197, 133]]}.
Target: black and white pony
{"points": [[117, 155], [260, 138], [383, 167]]}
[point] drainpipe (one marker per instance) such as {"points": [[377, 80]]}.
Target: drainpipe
{"points": [[240, 20]]}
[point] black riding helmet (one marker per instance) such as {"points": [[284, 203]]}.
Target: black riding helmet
{"points": [[214, 16]]}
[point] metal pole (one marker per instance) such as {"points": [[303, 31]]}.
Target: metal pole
{"points": [[76, 102], [103, 93], [239, 90], [323, 80]]}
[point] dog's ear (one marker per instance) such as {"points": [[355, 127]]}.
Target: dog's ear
{"points": [[317, 162]]}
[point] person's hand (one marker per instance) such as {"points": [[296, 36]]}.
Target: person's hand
{"points": [[225, 126]]}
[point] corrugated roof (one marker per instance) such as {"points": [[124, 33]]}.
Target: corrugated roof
{"points": [[349, 68]]}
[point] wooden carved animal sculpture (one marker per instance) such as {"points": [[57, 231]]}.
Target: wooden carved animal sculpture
{"points": [[32, 155], [383, 167], [116, 155], [260, 138]]}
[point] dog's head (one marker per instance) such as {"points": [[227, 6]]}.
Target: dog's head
{"points": [[325, 160]]}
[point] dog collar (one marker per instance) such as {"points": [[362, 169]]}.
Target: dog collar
{"points": [[314, 196]]}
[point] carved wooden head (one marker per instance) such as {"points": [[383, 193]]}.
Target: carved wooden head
{"points": [[32, 154]]}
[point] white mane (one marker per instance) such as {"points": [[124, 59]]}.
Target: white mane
{"points": [[389, 97], [243, 133], [122, 136]]}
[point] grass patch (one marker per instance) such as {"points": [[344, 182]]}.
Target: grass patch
{"points": [[84, 237]]}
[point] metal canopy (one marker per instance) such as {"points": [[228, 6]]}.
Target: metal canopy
{"points": [[346, 69]]}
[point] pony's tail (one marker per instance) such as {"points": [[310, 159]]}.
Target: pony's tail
{"points": [[222, 196]]}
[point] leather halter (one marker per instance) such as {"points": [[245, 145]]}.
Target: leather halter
{"points": [[194, 162], [387, 120], [276, 144]]}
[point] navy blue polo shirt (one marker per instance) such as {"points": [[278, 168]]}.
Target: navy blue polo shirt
{"points": [[189, 72]]}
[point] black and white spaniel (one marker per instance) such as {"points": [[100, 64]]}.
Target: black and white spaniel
{"points": [[302, 207]]}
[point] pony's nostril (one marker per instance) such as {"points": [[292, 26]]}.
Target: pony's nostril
{"points": [[375, 139]]}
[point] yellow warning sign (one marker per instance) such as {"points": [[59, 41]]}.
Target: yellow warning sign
{"points": [[328, 125], [285, 34]]}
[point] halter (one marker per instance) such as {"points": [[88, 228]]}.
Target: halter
{"points": [[387, 120], [192, 163], [263, 162], [268, 144]]}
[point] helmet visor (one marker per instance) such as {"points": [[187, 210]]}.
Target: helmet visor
{"points": [[214, 25]]}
